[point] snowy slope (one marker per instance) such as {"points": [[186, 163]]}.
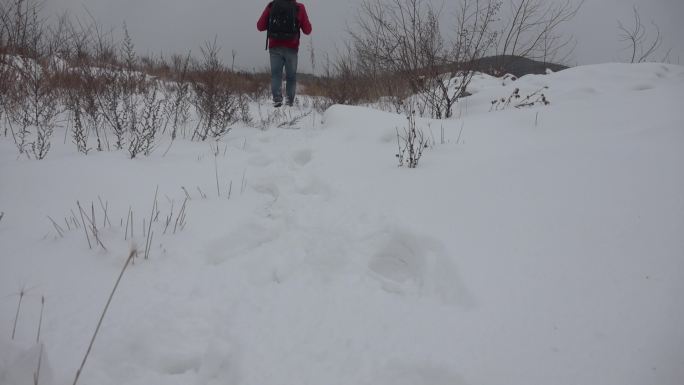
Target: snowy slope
{"points": [[535, 246]]}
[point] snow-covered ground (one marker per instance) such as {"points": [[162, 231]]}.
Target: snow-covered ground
{"points": [[542, 245]]}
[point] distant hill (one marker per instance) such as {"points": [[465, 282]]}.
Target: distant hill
{"points": [[515, 65], [493, 65]]}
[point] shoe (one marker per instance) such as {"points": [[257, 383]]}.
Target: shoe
{"points": [[290, 102], [277, 104]]}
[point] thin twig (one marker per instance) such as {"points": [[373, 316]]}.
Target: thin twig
{"points": [[36, 375], [40, 320], [202, 194], [16, 317], [458, 140], [169, 218], [92, 214], [128, 220], [167, 149], [97, 329], [84, 225], [218, 188], [60, 231], [73, 219], [149, 229], [105, 207], [187, 195], [93, 227], [181, 214], [148, 247]]}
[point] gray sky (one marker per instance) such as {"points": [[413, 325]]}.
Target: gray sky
{"points": [[176, 26]]}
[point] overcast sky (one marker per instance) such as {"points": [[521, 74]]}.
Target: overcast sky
{"points": [[176, 26]]}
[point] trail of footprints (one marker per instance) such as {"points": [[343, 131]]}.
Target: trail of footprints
{"points": [[302, 217]]}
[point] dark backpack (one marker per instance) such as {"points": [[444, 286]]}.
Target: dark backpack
{"points": [[283, 23]]}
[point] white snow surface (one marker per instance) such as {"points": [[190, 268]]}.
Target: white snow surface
{"points": [[542, 245]]}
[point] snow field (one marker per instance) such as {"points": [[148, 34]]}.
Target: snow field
{"points": [[543, 247]]}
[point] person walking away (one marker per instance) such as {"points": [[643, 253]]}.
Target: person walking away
{"points": [[283, 20]]}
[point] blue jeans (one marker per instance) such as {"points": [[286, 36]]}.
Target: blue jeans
{"points": [[283, 57]]}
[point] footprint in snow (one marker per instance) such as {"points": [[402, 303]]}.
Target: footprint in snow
{"points": [[642, 87], [302, 157], [312, 185], [395, 373], [406, 263], [260, 161], [239, 243]]}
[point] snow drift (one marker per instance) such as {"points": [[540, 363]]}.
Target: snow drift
{"points": [[537, 245]]}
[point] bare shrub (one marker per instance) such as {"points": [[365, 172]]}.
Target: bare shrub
{"points": [[535, 98], [217, 104], [36, 101], [89, 92], [531, 30], [398, 36], [292, 120], [395, 90], [116, 115], [120, 91], [317, 88], [134, 81], [149, 124], [83, 91], [19, 26], [6, 89], [41, 146], [411, 142], [79, 132], [321, 104], [84, 82], [269, 118], [177, 94], [404, 37], [346, 82], [516, 100], [258, 85], [474, 24], [39, 79]]}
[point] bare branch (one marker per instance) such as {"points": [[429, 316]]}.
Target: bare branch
{"points": [[637, 40]]}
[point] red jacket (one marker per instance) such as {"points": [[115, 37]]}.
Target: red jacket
{"points": [[304, 25]]}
